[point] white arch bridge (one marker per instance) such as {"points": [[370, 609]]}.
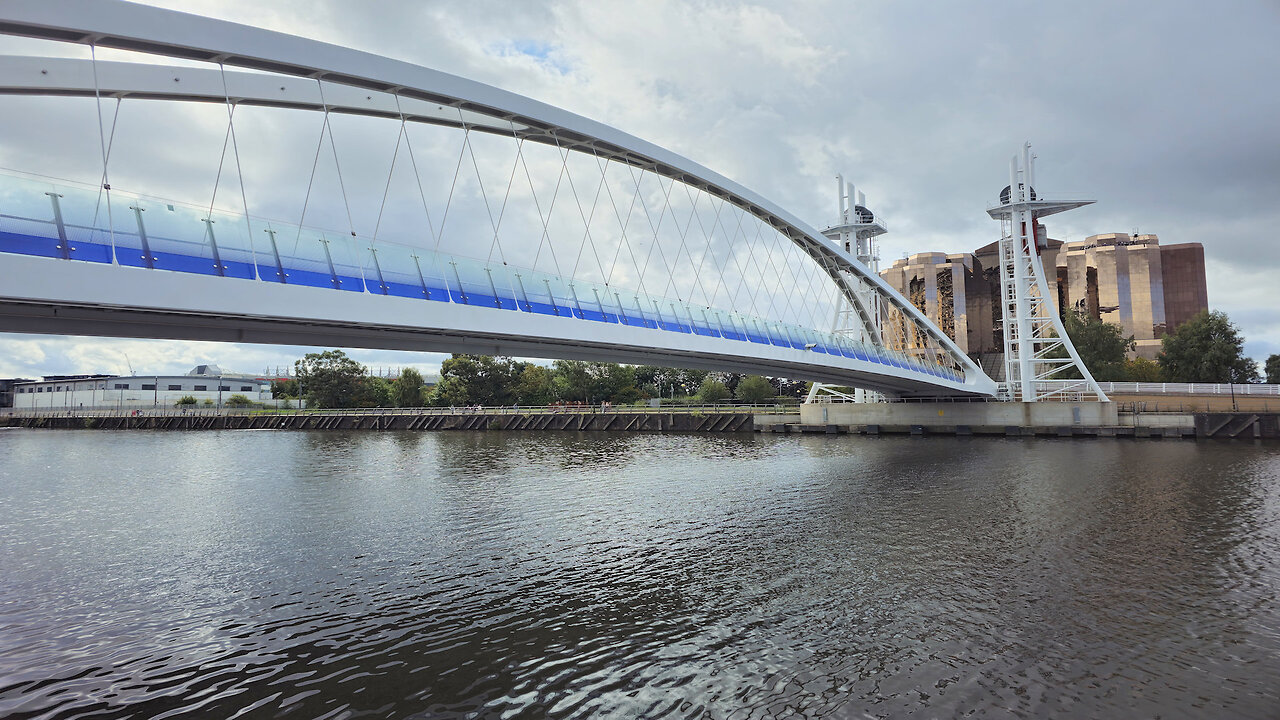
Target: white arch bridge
{"points": [[436, 214]]}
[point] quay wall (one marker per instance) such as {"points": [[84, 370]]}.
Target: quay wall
{"points": [[971, 414], [1008, 419], [390, 421]]}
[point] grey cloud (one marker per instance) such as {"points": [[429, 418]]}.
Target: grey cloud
{"points": [[1165, 114]]}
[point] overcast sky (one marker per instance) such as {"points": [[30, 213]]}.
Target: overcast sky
{"points": [[1165, 113]]}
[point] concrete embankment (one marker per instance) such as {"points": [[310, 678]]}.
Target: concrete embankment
{"points": [[1060, 419], [412, 421], [1006, 419]]}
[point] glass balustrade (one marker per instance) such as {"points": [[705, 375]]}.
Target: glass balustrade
{"points": [[45, 219]]}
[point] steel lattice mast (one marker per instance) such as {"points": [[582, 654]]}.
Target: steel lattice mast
{"points": [[855, 231], [1036, 346]]}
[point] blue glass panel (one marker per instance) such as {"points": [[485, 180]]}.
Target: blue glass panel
{"points": [[183, 263], [345, 253], [777, 338], [473, 283], [29, 245], [310, 278]]}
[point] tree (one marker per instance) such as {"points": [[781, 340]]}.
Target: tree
{"points": [[593, 382], [792, 388], [1141, 369], [1207, 348], [688, 382], [572, 380], [330, 379], [375, 392], [477, 380], [186, 401], [1100, 344], [536, 386], [712, 391], [406, 390], [755, 389], [284, 388], [615, 383], [1273, 369], [238, 401]]}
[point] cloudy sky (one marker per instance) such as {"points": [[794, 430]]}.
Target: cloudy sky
{"points": [[1165, 113]]}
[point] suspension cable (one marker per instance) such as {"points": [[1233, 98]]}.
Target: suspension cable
{"points": [[408, 144], [235, 149], [546, 219], [511, 179], [334, 146], [102, 142], [217, 179], [110, 143], [387, 190], [315, 162], [457, 170]]}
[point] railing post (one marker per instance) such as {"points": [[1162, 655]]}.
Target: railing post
{"points": [[218, 267], [142, 239], [333, 274], [421, 278], [64, 247], [275, 253], [377, 268], [461, 291]]}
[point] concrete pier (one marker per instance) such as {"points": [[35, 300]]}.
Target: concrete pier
{"points": [[970, 414]]}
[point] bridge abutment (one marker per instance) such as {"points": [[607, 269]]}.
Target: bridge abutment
{"points": [[967, 414]]}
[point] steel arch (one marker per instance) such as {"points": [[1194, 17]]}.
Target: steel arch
{"points": [[123, 25]]}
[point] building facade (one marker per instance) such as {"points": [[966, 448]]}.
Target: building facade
{"points": [[941, 286], [208, 384], [1130, 280]]}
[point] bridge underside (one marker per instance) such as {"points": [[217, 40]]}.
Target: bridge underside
{"points": [[113, 301]]}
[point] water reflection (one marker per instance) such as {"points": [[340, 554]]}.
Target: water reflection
{"points": [[655, 575]]}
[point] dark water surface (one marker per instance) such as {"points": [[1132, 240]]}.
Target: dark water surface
{"points": [[305, 575]]}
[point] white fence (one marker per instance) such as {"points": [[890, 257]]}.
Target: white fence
{"points": [[1239, 389]]}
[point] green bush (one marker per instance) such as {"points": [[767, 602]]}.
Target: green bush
{"points": [[238, 401], [186, 401]]}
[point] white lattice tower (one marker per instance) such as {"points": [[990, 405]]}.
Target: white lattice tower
{"points": [[1036, 346], [855, 230]]}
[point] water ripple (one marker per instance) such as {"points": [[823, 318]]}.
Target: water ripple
{"points": [[571, 575]]}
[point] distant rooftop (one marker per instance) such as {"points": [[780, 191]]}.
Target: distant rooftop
{"points": [[206, 370]]}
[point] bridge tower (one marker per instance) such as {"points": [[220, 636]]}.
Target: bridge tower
{"points": [[855, 230], [1036, 347]]}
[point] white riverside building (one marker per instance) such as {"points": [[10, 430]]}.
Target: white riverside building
{"points": [[139, 392]]}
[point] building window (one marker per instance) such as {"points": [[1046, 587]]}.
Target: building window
{"points": [[246, 388], [148, 386], [120, 386], [201, 388], [224, 387], [39, 389], [175, 387]]}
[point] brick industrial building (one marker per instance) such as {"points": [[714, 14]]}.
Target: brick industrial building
{"points": [[1130, 280]]}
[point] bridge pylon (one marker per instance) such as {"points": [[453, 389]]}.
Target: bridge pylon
{"points": [[1037, 350], [855, 230]]}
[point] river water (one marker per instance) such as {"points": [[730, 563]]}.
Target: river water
{"points": [[301, 575]]}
